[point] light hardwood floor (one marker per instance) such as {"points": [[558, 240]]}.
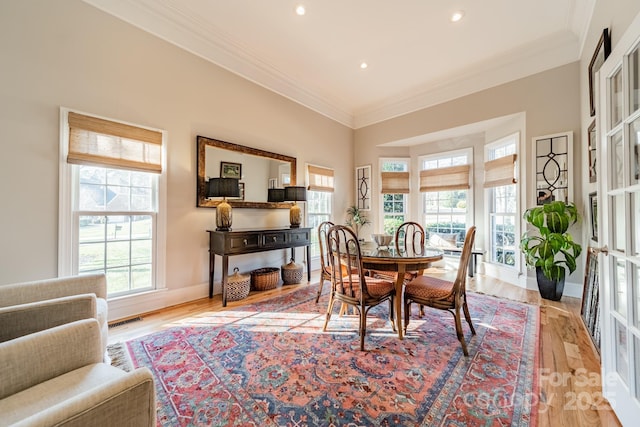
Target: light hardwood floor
{"points": [[569, 386]]}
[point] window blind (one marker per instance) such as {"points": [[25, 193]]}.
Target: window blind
{"points": [[500, 171], [395, 183], [445, 179], [95, 141], [320, 179]]}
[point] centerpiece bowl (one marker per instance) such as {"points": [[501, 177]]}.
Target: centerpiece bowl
{"points": [[382, 240]]}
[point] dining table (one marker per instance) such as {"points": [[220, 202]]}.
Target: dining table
{"points": [[397, 260]]}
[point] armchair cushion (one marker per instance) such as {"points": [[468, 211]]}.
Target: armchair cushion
{"points": [[37, 299], [56, 377]]}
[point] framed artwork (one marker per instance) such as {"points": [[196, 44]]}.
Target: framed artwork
{"points": [[603, 49], [593, 174], [593, 211], [553, 156], [590, 311], [363, 187], [230, 170]]}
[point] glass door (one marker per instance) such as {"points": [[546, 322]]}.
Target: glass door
{"points": [[619, 195]]}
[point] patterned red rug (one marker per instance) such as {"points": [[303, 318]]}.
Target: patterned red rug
{"points": [[270, 364]]}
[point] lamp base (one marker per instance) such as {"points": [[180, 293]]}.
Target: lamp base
{"points": [[223, 216], [295, 216]]}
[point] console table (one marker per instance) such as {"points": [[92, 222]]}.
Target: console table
{"points": [[239, 242]]}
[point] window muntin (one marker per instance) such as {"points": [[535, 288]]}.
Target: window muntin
{"points": [[394, 205], [319, 207], [115, 217], [446, 212], [502, 205]]}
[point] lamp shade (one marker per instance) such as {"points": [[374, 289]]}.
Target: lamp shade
{"points": [[224, 187], [275, 195], [295, 194]]}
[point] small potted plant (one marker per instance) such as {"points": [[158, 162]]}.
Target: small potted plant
{"points": [[356, 219], [552, 250]]}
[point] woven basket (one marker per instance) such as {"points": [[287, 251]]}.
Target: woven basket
{"points": [[238, 286], [292, 273], [265, 278]]}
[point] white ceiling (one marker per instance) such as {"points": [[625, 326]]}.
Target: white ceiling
{"points": [[416, 56]]}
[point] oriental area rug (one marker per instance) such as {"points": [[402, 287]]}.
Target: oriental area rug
{"points": [[270, 364]]}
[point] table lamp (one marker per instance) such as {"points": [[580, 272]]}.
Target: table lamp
{"points": [[224, 187], [295, 194], [275, 195]]}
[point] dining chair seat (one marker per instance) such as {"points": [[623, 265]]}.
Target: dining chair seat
{"points": [[430, 288], [377, 288]]}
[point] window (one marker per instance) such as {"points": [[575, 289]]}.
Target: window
{"points": [[444, 181], [394, 189], [319, 201], [502, 196], [110, 220]]}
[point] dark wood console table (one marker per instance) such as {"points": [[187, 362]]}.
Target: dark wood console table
{"points": [[227, 243]]}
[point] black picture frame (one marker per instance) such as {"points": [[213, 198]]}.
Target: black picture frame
{"points": [[230, 170], [591, 135], [590, 310], [593, 213], [603, 49]]}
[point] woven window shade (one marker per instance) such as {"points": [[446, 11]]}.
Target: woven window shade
{"points": [[500, 171], [395, 183], [320, 179], [94, 141], [445, 179]]}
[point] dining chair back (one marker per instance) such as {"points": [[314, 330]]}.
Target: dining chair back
{"points": [[410, 235], [443, 294], [325, 268], [356, 289]]}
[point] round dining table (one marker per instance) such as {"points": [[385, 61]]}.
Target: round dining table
{"points": [[400, 261]]}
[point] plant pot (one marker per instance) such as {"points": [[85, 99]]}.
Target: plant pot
{"points": [[550, 289]]}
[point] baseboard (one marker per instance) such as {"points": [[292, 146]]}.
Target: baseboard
{"points": [[134, 305]]}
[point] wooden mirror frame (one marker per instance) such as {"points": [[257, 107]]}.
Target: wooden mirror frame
{"points": [[202, 200]]}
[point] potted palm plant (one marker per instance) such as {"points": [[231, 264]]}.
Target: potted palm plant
{"points": [[356, 219], [552, 249]]}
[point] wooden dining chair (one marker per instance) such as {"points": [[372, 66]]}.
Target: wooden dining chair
{"points": [[357, 289], [443, 294], [325, 268]]}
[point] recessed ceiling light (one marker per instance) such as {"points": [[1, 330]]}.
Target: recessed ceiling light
{"points": [[364, 65], [457, 16], [300, 10]]}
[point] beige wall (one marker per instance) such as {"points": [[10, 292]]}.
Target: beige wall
{"points": [[67, 53]]}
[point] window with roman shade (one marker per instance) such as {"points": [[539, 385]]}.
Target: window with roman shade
{"points": [[445, 179], [111, 206], [500, 171], [320, 179], [99, 142]]}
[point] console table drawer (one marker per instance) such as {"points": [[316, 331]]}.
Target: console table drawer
{"points": [[244, 242], [301, 237], [276, 239]]}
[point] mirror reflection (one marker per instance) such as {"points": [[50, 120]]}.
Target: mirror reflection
{"points": [[257, 170]]}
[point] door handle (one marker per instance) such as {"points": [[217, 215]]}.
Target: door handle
{"points": [[603, 250]]}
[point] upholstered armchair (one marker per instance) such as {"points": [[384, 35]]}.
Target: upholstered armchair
{"points": [[56, 377], [30, 307]]}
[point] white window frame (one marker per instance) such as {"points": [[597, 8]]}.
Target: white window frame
{"points": [[494, 268], [468, 152], [327, 217], [407, 199], [68, 221]]}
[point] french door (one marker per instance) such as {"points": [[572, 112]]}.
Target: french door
{"points": [[619, 197]]}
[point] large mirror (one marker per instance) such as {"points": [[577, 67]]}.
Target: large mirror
{"points": [[258, 171]]}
